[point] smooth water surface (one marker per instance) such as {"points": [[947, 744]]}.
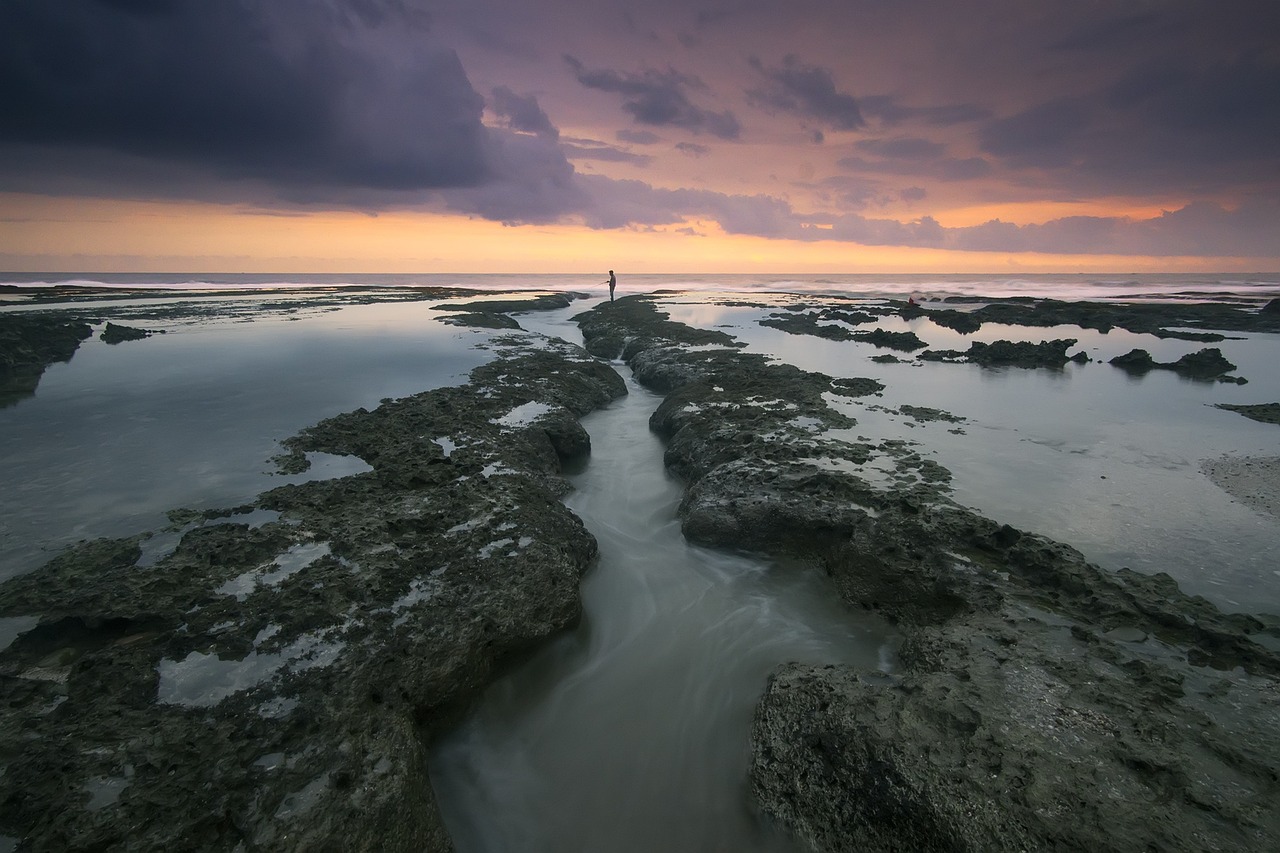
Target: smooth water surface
{"points": [[191, 418], [1089, 455], [632, 733]]}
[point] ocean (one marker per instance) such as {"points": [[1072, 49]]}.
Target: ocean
{"points": [[1071, 286]]}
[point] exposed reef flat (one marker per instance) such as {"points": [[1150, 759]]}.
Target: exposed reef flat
{"points": [[1175, 319], [1052, 354], [116, 333], [28, 345], [1205, 364], [1266, 413], [1038, 701], [273, 679]]}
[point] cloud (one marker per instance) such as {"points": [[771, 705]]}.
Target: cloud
{"points": [[522, 113], [890, 111], [692, 149], [592, 149], [290, 94], [807, 91], [638, 137], [902, 148], [943, 168], [1171, 126], [659, 98]]}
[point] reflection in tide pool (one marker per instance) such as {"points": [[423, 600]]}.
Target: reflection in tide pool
{"points": [[121, 434], [1089, 455], [631, 734]]}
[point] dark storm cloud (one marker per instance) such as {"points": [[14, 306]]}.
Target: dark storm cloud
{"points": [[521, 112], [808, 91], [1109, 34], [659, 98], [290, 93]]}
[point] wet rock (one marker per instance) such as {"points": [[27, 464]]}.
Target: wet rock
{"points": [[632, 324], [807, 324], [1164, 320], [903, 341], [1051, 354], [1267, 413], [1137, 361], [481, 320], [541, 302], [1039, 702], [28, 345], [115, 333], [960, 321], [276, 685], [857, 386], [1208, 363]]}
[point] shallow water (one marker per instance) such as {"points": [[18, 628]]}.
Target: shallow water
{"points": [[1088, 455], [632, 733], [191, 418]]}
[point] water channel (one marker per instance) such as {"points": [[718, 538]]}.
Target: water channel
{"points": [[632, 732]]}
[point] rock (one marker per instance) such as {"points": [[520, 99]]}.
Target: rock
{"points": [[960, 321], [1208, 363], [1267, 413], [1135, 361], [1024, 711], [1051, 354], [903, 341], [481, 320], [276, 685], [28, 345], [114, 333]]}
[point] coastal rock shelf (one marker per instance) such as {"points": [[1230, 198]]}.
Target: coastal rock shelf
{"points": [[1038, 701], [272, 680]]}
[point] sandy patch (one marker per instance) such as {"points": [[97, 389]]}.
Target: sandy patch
{"points": [[1252, 480]]}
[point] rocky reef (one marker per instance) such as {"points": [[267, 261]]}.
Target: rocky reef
{"points": [[1052, 354], [1266, 413], [1205, 364], [28, 345], [270, 676], [116, 333], [1037, 701]]}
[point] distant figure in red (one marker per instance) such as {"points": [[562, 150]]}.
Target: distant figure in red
{"points": [[613, 282]]}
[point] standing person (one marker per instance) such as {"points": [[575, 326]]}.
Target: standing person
{"points": [[613, 282]]}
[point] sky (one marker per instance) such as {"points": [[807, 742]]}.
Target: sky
{"points": [[667, 136]]}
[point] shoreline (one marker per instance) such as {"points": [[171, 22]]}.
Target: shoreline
{"points": [[1020, 656]]}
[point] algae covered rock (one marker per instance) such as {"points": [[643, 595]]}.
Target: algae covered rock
{"points": [[273, 680], [1037, 701]]}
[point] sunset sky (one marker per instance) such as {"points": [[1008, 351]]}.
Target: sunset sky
{"points": [[664, 136]]}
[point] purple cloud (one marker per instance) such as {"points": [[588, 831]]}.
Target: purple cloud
{"points": [[659, 98]]}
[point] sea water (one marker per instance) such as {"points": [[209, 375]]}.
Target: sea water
{"points": [[632, 732]]}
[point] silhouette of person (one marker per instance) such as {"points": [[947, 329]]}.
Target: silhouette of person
{"points": [[613, 282]]}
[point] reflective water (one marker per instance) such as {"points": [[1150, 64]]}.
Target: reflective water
{"points": [[191, 418], [632, 733], [1089, 455]]}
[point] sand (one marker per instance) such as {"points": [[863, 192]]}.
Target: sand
{"points": [[1252, 480]]}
